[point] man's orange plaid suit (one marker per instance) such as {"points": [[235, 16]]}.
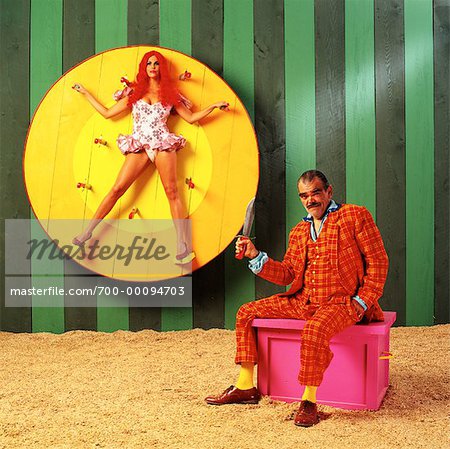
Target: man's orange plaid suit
{"points": [[356, 264]]}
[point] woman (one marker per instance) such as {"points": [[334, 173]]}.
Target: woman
{"points": [[151, 98]]}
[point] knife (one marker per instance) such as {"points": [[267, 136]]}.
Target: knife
{"points": [[248, 221]]}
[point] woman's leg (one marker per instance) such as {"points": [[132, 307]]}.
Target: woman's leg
{"points": [[134, 165], [166, 163]]}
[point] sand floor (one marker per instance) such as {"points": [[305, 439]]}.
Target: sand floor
{"points": [[146, 389]]}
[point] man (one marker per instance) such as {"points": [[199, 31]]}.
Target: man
{"points": [[337, 265]]}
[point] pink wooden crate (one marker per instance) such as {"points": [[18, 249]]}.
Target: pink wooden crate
{"points": [[356, 379]]}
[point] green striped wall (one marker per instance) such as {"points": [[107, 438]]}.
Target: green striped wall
{"points": [[238, 70], [360, 144], [300, 88], [47, 313], [419, 106], [358, 88]]}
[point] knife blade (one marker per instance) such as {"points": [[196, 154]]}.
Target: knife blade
{"points": [[248, 222]]}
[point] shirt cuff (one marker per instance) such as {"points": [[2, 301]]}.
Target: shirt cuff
{"points": [[361, 302], [256, 264]]}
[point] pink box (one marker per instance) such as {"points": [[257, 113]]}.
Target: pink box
{"points": [[357, 377]]}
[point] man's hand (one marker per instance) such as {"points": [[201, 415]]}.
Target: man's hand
{"points": [[359, 309], [250, 251]]}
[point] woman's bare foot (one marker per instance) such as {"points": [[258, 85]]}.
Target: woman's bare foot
{"points": [[185, 255], [81, 239]]}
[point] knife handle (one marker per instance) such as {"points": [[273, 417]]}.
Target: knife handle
{"points": [[240, 254]]}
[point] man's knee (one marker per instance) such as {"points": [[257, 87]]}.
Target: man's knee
{"points": [[246, 311], [315, 332]]}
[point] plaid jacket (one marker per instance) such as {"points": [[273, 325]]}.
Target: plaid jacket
{"points": [[355, 250]]}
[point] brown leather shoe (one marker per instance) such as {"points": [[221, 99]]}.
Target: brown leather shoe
{"points": [[306, 415], [233, 395]]}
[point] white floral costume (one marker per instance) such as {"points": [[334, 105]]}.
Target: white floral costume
{"points": [[150, 131]]}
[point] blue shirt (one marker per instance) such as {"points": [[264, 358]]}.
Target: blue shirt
{"points": [[332, 207]]}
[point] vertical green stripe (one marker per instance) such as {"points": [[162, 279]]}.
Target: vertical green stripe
{"points": [[175, 25], [45, 48], [442, 160], [45, 68], [14, 113], [175, 32], [110, 32], [48, 311], [238, 72], [300, 101], [360, 103], [110, 24], [238, 50], [419, 161], [112, 311], [330, 92]]}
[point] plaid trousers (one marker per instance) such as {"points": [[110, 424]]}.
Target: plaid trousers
{"points": [[323, 322]]}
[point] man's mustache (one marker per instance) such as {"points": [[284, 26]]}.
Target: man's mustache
{"points": [[313, 205]]}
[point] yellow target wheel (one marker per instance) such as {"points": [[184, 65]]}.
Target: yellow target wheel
{"points": [[71, 157]]}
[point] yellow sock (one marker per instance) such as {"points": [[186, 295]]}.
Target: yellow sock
{"points": [[245, 379], [309, 394]]}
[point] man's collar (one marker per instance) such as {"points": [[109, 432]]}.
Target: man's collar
{"points": [[332, 207]]}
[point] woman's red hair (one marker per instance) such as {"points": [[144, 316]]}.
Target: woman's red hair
{"points": [[168, 93]]}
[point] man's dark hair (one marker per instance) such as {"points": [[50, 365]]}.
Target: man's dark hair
{"points": [[309, 175]]}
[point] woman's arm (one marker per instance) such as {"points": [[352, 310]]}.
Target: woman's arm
{"points": [[116, 109], [192, 117]]}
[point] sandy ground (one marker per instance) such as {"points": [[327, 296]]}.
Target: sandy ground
{"points": [[146, 389]]}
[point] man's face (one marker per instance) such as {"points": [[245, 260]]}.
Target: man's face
{"points": [[314, 197]]}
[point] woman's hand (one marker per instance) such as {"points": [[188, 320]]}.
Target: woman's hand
{"points": [[192, 117], [187, 103], [250, 250], [79, 88], [114, 110], [222, 105]]}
